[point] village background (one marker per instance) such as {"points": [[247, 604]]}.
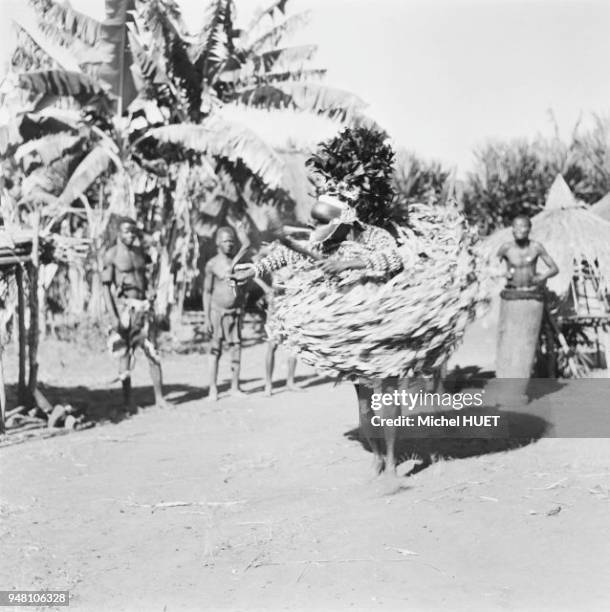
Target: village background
{"points": [[500, 108]]}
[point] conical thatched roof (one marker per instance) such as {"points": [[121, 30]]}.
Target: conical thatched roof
{"points": [[602, 208], [570, 232]]}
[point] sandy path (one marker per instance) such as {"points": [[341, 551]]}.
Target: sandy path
{"points": [[281, 514]]}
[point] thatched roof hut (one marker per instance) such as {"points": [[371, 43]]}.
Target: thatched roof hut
{"points": [[602, 207], [572, 234]]}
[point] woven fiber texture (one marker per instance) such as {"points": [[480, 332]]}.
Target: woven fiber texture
{"points": [[405, 325]]}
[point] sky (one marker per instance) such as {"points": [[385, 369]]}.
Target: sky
{"points": [[444, 76]]}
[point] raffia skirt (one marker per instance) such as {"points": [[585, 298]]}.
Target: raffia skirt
{"points": [[405, 325]]}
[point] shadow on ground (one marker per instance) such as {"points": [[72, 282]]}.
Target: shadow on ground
{"points": [[522, 429], [304, 382], [99, 405], [474, 377], [520, 426]]}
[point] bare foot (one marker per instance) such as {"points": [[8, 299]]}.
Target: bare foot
{"points": [[131, 409], [163, 404], [390, 483], [213, 394], [237, 392], [114, 415], [378, 465], [293, 386], [268, 389]]}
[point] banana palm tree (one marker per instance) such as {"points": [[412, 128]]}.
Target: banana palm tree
{"points": [[182, 83]]}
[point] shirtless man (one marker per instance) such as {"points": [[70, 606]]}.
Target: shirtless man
{"points": [[129, 301], [521, 256], [223, 307]]}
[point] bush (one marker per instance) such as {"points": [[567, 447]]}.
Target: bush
{"points": [[359, 160], [419, 181], [512, 178]]}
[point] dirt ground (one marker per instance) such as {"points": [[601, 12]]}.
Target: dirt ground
{"points": [[269, 504]]}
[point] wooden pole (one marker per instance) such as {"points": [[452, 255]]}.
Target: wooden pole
{"points": [[34, 330], [21, 389], [2, 391]]}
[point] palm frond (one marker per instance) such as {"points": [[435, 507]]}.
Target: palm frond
{"points": [[149, 72], [227, 140], [285, 56], [248, 75], [294, 75], [65, 83], [90, 168], [69, 37], [49, 179], [48, 148], [213, 46], [63, 20], [303, 96], [161, 34], [49, 121], [277, 6], [10, 136], [59, 55], [273, 37], [156, 15]]}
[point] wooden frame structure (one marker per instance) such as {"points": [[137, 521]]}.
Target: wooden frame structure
{"points": [[19, 258], [587, 308]]}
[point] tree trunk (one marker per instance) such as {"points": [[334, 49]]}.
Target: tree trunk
{"points": [[116, 72], [21, 388]]}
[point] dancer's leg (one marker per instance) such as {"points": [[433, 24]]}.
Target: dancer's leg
{"points": [[364, 393], [290, 382]]}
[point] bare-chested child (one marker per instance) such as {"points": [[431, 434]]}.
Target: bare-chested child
{"points": [[129, 301], [521, 256], [223, 305]]}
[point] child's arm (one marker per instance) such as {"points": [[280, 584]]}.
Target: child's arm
{"points": [[208, 288]]}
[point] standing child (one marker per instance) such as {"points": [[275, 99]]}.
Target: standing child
{"points": [[269, 286], [223, 306]]}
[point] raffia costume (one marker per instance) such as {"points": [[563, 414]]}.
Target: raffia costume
{"points": [[402, 315]]}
